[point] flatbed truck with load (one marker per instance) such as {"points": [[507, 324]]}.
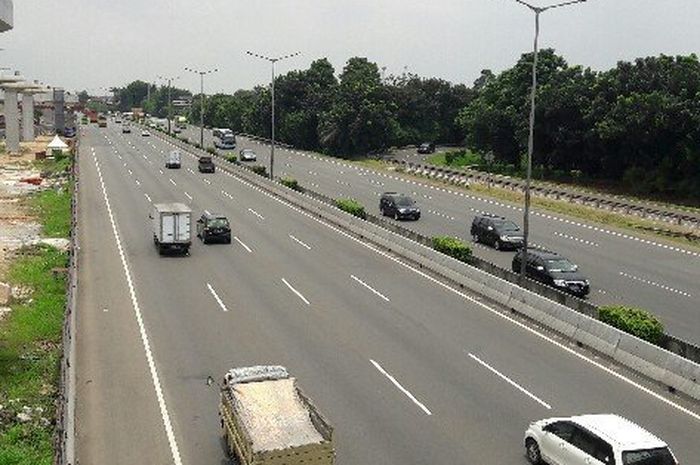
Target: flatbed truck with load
{"points": [[267, 420], [172, 227]]}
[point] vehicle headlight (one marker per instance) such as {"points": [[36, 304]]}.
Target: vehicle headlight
{"points": [[585, 281], [560, 282], [505, 238]]}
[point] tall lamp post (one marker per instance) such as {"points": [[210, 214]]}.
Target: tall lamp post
{"points": [[272, 61], [531, 137], [170, 97], [201, 73]]}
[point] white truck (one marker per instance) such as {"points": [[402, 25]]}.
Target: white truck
{"points": [[267, 420], [172, 227]]}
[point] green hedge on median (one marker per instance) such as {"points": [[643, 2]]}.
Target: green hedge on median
{"points": [[211, 150], [635, 321], [290, 182], [453, 247], [231, 158], [352, 206], [259, 169]]}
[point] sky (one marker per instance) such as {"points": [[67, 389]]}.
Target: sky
{"points": [[94, 44]]}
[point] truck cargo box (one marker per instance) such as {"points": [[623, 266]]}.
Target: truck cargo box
{"points": [[267, 420], [172, 227]]}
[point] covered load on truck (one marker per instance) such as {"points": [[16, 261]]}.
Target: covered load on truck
{"points": [[267, 420], [172, 227]]}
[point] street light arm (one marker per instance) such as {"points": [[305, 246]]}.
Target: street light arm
{"points": [[559, 5]]}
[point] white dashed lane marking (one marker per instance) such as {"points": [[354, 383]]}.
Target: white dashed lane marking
{"points": [[576, 239], [655, 284]]}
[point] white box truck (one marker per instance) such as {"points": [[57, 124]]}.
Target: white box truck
{"points": [[267, 420], [172, 227]]}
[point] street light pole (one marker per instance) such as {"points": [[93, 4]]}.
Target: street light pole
{"points": [[272, 61], [170, 99], [531, 135], [201, 73]]}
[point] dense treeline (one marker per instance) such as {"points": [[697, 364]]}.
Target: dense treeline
{"points": [[636, 125], [154, 100]]}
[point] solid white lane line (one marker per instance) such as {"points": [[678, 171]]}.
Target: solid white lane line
{"points": [[148, 197], [242, 244], [172, 182], [401, 388], [510, 381], [296, 292], [188, 196], [165, 416], [216, 297], [374, 291], [478, 303], [300, 242], [256, 213]]}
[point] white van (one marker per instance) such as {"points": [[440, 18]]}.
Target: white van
{"points": [[172, 160]]}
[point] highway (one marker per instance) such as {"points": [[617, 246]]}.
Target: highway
{"points": [[407, 369], [623, 267]]}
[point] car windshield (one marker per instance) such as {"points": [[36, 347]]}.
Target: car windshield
{"points": [[246, 151], [561, 265], [507, 226], [205, 159], [404, 201], [218, 223], [660, 456]]}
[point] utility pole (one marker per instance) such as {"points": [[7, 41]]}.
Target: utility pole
{"points": [[531, 136], [272, 61], [201, 73]]}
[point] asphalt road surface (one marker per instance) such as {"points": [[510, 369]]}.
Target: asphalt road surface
{"points": [[407, 369], [623, 268]]}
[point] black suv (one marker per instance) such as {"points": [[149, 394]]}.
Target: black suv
{"points": [[554, 270], [206, 165], [398, 206], [213, 228], [426, 147], [497, 231]]}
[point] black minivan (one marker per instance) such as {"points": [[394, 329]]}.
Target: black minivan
{"points": [[398, 206], [497, 231], [213, 228], [206, 165]]}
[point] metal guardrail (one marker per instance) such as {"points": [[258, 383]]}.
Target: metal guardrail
{"points": [[64, 439], [669, 342], [581, 197]]}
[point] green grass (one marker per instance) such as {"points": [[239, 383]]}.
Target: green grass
{"points": [[52, 207], [30, 348], [454, 158]]}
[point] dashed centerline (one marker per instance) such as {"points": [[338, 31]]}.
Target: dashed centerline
{"points": [[655, 284]]}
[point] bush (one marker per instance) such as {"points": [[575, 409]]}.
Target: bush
{"points": [[453, 247], [231, 158], [211, 150], [291, 183], [259, 169], [635, 321], [352, 206]]}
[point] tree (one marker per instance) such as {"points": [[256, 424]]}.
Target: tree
{"points": [[83, 97]]}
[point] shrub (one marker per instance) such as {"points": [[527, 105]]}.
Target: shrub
{"points": [[291, 183], [231, 158], [211, 150], [196, 145], [352, 206], [259, 169], [453, 247], [635, 321]]}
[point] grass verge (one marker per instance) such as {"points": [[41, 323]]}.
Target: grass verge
{"points": [[30, 339]]}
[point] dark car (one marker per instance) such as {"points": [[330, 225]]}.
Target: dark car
{"points": [[497, 231], [206, 165], [426, 147], [69, 132], [554, 270], [213, 228], [398, 206]]}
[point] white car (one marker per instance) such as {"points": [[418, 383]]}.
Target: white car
{"points": [[145, 133], [247, 155], [594, 440]]}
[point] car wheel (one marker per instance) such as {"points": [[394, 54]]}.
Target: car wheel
{"points": [[204, 239], [497, 245], [532, 450], [396, 216], [475, 238], [381, 211]]}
